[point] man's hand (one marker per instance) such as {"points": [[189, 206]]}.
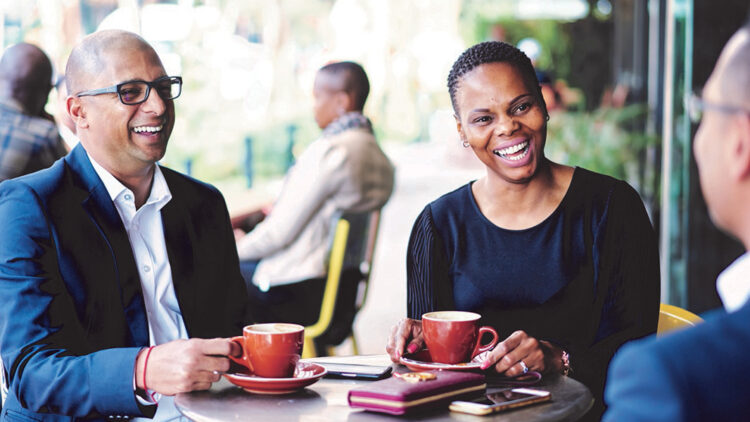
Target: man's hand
{"points": [[238, 234], [184, 365]]}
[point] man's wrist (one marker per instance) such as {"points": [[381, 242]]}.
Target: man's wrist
{"points": [[139, 370]]}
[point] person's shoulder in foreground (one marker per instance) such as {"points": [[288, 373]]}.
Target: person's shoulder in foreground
{"points": [[701, 373], [698, 374]]}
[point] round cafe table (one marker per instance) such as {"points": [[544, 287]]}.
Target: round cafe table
{"points": [[326, 400]]}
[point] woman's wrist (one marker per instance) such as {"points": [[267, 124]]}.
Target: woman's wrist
{"points": [[565, 368], [557, 359]]}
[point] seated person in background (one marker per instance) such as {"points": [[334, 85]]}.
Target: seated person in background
{"points": [[30, 140], [343, 170], [561, 261], [701, 373], [107, 253]]}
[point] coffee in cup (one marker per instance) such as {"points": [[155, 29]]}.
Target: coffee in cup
{"points": [[271, 350], [455, 336]]}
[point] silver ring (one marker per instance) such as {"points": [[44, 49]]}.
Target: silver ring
{"points": [[525, 368]]}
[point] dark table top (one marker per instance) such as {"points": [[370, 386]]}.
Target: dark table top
{"points": [[326, 400]]}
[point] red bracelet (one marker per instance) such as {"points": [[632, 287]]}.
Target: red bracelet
{"points": [[145, 366]]}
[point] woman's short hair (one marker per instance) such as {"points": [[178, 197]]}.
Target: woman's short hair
{"points": [[491, 52]]}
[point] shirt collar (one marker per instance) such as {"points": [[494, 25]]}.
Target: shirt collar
{"points": [[733, 284], [159, 194]]}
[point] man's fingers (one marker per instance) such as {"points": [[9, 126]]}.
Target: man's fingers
{"points": [[215, 346]]}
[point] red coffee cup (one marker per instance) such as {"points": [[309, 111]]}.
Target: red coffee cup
{"points": [[455, 336], [271, 350]]}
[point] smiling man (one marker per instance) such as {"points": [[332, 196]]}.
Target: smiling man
{"points": [[107, 253], [701, 373]]}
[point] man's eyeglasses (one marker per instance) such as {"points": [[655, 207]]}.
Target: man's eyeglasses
{"points": [[696, 106], [136, 92]]}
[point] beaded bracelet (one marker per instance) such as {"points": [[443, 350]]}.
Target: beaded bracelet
{"points": [[565, 369]]}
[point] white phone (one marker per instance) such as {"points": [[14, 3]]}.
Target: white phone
{"points": [[501, 400]]}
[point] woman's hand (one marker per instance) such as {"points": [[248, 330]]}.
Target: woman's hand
{"points": [[521, 350], [408, 331]]}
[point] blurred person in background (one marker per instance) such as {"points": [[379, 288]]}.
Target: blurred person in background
{"points": [[284, 257], [561, 261], [701, 373], [30, 140]]}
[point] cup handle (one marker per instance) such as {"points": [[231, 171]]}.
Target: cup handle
{"points": [[242, 360], [479, 348]]}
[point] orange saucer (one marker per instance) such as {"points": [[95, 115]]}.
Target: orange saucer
{"points": [[305, 374]]}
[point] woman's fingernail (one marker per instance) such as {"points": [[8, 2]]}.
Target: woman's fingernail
{"points": [[412, 348]]}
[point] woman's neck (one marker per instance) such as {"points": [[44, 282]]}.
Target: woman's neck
{"points": [[518, 206]]}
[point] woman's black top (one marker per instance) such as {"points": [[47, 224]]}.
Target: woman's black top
{"points": [[586, 278]]}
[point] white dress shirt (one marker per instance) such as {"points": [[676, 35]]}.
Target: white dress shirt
{"points": [[146, 233], [733, 284]]}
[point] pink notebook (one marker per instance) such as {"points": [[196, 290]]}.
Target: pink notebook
{"points": [[399, 394]]}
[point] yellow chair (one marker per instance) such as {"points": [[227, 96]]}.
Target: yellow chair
{"points": [[672, 317], [349, 263]]}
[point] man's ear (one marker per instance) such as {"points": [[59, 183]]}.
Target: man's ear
{"points": [[77, 111], [739, 166], [344, 102]]}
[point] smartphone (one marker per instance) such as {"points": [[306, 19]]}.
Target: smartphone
{"points": [[353, 370], [501, 400]]}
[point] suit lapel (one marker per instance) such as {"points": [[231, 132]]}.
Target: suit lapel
{"points": [[100, 208], [179, 238]]}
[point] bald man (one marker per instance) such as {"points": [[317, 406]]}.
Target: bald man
{"points": [[701, 373], [30, 140], [119, 278]]}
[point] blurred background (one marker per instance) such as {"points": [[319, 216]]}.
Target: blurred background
{"points": [[615, 73]]}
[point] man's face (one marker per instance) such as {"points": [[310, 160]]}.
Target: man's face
{"points": [[713, 151], [328, 96], [127, 138]]}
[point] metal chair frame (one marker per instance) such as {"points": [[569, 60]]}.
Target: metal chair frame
{"points": [[342, 249]]}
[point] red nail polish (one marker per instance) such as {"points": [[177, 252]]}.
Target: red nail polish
{"points": [[412, 348]]}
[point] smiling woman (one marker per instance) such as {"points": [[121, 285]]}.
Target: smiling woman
{"points": [[561, 261]]}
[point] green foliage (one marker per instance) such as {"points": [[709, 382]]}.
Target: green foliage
{"points": [[604, 141], [477, 23]]}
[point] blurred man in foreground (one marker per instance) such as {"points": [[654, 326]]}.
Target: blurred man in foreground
{"points": [[30, 140], [107, 253], [701, 373]]}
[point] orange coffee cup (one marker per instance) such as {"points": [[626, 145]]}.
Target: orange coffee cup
{"points": [[271, 350], [455, 336]]}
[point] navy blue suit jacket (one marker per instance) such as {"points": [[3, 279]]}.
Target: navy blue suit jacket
{"points": [[72, 318], [697, 374]]}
